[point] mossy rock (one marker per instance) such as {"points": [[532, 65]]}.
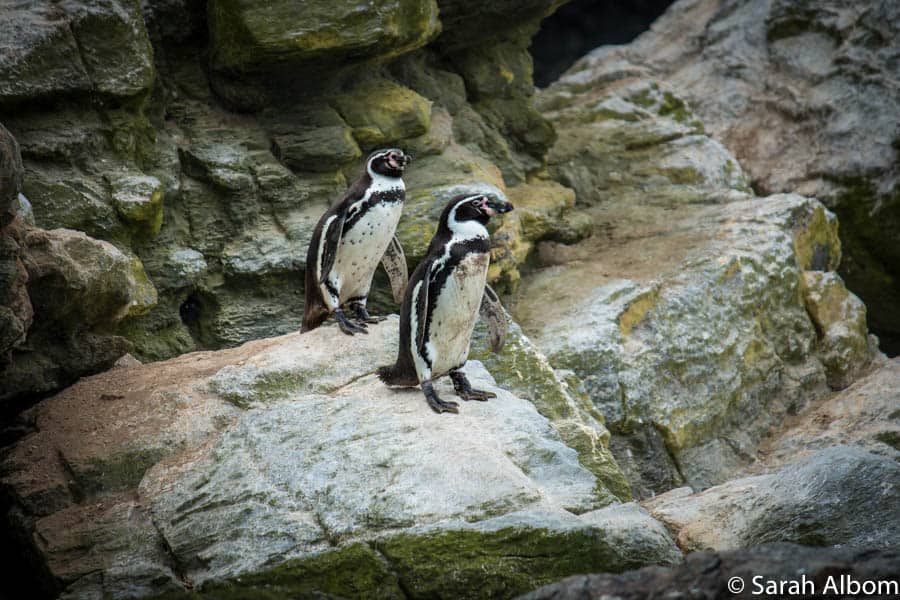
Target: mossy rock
{"points": [[381, 111], [523, 369], [248, 36], [138, 199]]}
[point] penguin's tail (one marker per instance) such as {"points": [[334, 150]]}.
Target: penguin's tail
{"points": [[388, 374], [313, 316], [394, 375]]}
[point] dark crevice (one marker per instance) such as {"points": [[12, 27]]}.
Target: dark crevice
{"points": [[407, 593], [177, 567], [580, 26]]}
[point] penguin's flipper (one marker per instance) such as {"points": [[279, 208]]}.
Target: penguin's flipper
{"points": [[494, 316], [420, 306], [331, 239], [394, 263]]}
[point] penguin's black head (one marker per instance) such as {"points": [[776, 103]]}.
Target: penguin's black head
{"points": [[477, 207], [389, 163]]}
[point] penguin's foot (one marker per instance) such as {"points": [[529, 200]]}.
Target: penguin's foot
{"points": [[464, 389], [348, 326], [437, 405], [363, 316]]}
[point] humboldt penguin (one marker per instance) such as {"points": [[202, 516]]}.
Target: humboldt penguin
{"points": [[442, 301], [350, 239]]}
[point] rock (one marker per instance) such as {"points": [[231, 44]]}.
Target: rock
{"points": [[672, 215], [811, 110], [80, 288], [864, 414], [10, 176], [826, 498], [382, 112], [311, 140], [343, 471], [75, 48], [840, 320], [138, 200], [832, 571], [316, 40], [704, 347]]}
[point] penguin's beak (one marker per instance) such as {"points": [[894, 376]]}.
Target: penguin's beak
{"points": [[496, 205], [398, 159]]}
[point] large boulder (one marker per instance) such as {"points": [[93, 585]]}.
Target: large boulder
{"points": [[275, 465], [253, 45], [684, 314], [807, 98], [80, 288], [827, 498]]}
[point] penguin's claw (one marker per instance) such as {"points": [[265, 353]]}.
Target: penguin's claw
{"points": [[480, 395], [441, 406], [348, 326], [363, 317], [464, 389], [437, 405]]}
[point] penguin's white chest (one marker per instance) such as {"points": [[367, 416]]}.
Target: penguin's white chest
{"points": [[362, 247], [455, 313]]}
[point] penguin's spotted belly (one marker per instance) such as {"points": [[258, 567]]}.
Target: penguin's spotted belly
{"points": [[455, 314], [361, 249]]}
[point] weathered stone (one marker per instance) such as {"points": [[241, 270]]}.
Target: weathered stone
{"points": [[381, 112], [352, 470], [864, 414], [826, 498], [100, 46], [811, 109], [710, 355], [283, 39], [311, 139], [840, 320], [10, 176], [783, 570], [138, 199], [78, 286]]}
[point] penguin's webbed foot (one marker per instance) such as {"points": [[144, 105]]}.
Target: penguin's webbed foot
{"points": [[363, 316], [437, 405], [464, 389], [348, 326]]}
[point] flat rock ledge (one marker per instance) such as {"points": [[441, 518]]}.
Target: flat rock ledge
{"points": [[284, 467]]}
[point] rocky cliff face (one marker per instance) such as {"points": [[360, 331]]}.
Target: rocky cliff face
{"points": [[203, 142], [805, 95]]}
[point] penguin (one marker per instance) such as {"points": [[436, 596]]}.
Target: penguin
{"points": [[444, 295], [349, 241]]}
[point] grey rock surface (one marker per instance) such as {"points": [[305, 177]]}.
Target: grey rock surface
{"points": [[707, 575], [805, 95], [288, 455], [826, 498]]}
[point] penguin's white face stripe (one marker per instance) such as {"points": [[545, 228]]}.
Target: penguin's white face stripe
{"points": [[467, 229], [462, 231]]}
